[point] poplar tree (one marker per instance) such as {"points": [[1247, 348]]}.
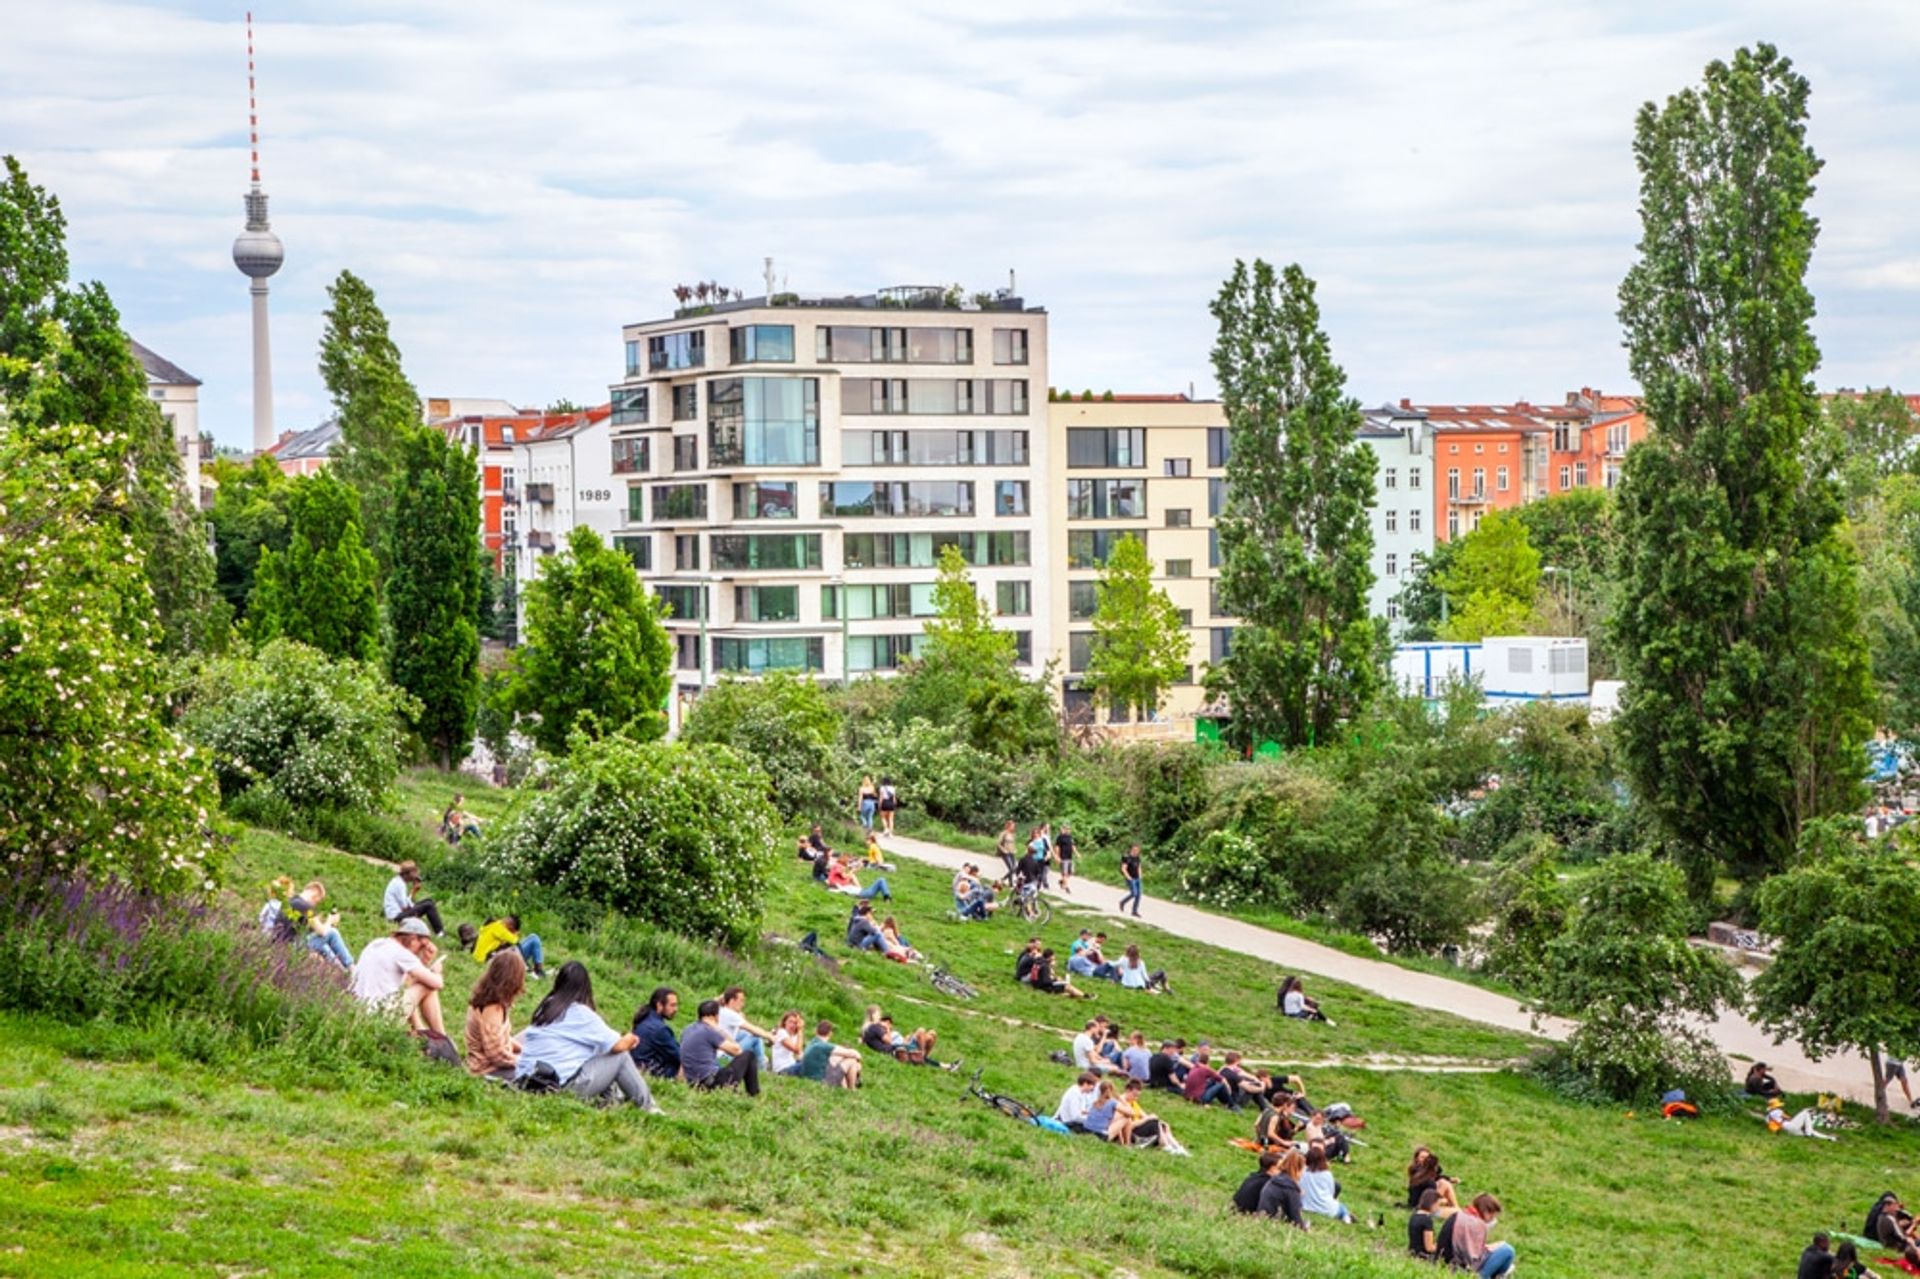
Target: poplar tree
{"points": [[1295, 538], [1139, 644], [1748, 693], [375, 403], [320, 590], [434, 592]]}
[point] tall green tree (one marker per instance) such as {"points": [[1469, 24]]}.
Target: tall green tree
{"points": [[377, 406], [436, 589], [1748, 693], [1848, 923], [1886, 536], [1424, 607], [1874, 434], [1491, 581], [1140, 646], [321, 590], [595, 654], [1295, 538], [249, 515]]}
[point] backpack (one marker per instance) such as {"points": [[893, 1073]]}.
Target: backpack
{"points": [[270, 917], [437, 1047], [542, 1078]]}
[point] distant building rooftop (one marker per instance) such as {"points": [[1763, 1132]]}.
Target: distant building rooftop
{"points": [[900, 297], [160, 370], [317, 441]]}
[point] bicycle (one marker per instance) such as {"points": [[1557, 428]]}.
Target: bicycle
{"points": [[947, 984], [1029, 905], [1012, 1107]]}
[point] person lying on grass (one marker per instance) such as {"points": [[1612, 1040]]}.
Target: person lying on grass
{"points": [[656, 1049], [401, 973], [841, 879], [1319, 1191], [591, 1059], [301, 921], [826, 1062], [1800, 1125], [702, 1047], [492, 1050], [915, 1050], [1044, 980]]}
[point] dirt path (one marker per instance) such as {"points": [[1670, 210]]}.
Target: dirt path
{"points": [[1739, 1038]]}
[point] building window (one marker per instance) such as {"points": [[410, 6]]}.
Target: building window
{"points": [[1501, 449], [763, 421], [1479, 448], [860, 344], [1213, 597], [932, 397], [760, 654], [1219, 643], [686, 402], [1179, 568], [633, 358], [1453, 449], [1219, 446], [1009, 346], [686, 452], [1479, 481], [1013, 599], [637, 548], [1612, 476], [864, 602], [687, 651], [1393, 608], [632, 457], [1100, 447], [1563, 439], [863, 498], [933, 448], [1393, 520], [881, 652], [761, 344], [1178, 468], [922, 550], [1010, 497], [1079, 651], [1617, 440], [669, 351], [636, 511], [766, 550], [1083, 600], [1179, 517], [766, 603], [766, 501], [684, 603], [1413, 477], [1106, 499], [1453, 483], [1186, 616], [1580, 475], [1566, 478], [679, 502], [1391, 477], [686, 553], [1453, 525], [1216, 498], [1413, 520], [1500, 478], [1089, 548], [1393, 564], [629, 405], [1213, 548]]}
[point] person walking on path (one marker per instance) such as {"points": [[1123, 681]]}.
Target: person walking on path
{"points": [[1130, 871], [1064, 849], [889, 804]]}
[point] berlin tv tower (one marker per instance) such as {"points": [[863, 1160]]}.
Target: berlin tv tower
{"points": [[257, 252]]}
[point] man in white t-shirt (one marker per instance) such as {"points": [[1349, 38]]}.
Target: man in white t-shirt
{"points": [[403, 972], [733, 1020], [1086, 1049], [1076, 1102]]}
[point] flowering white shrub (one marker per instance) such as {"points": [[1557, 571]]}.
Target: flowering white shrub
{"points": [[943, 776], [682, 836]]}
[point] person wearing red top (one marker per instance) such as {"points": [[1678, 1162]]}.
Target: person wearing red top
{"points": [[1204, 1084]]}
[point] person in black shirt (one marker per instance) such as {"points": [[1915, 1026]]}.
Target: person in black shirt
{"points": [[1063, 849], [1164, 1069], [1280, 1197], [1423, 1173], [1816, 1262], [1130, 871], [1247, 1198], [1421, 1242], [1761, 1083], [1023, 967]]}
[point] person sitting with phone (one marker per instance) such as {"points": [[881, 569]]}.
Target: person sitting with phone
{"points": [[402, 973], [301, 920]]}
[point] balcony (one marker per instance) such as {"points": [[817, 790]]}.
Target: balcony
{"points": [[539, 540], [1470, 497], [540, 493]]}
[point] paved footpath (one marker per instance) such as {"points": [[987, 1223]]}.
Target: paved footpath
{"points": [[1739, 1038]]}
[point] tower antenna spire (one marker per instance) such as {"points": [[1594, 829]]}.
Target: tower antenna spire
{"points": [[258, 253], [253, 114]]}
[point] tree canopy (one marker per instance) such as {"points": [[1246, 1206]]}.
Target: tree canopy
{"points": [[434, 594], [1491, 579], [377, 406], [320, 591], [1140, 645]]}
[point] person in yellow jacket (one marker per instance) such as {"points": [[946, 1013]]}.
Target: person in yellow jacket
{"points": [[505, 931]]}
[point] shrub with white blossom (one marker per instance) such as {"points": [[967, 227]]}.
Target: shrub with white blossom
{"points": [[680, 836]]}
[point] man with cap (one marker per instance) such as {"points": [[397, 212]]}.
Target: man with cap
{"points": [[402, 973], [400, 904]]}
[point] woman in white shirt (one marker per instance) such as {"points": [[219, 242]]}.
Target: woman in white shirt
{"points": [[788, 1044], [1133, 972], [568, 1034]]}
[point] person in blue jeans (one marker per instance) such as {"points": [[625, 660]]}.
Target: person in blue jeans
{"points": [[869, 802], [1470, 1247], [300, 919], [1130, 871]]}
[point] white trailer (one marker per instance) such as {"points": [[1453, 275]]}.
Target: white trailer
{"points": [[1533, 668]]}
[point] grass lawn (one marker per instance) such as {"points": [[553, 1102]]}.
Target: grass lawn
{"points": [[123, 1157]]}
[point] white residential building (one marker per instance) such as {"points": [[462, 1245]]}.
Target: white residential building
{"points": [[793, 466], [1403, 508], [567, 482], [177, 393]]}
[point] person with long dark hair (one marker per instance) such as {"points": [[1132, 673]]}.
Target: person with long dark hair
{"points": [[569, 1035], [491, 1048], [1423, 1172]]}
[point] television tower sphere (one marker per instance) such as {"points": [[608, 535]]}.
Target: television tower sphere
{"points": [[257, 250]]}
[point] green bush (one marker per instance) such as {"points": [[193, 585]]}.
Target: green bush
{"points": [[381, 836], [1530, 907], [789, 726], [1164, 788], [1230, 869], [679, 835], [318, 732], [943, 776]]}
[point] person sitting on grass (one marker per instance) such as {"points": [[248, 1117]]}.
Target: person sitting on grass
{"points": [[702, 1047], [1134, 1126], [656, 1048], [1423, 1172], [457, 823], [505, 931], [1894, 1230], [788, 1043], [1294, 1002], [1029, 959], [301, 920], [1760, 1081], [1077, 1101], [1319, 1191], [876, 860], [817, 841], [1469, 1247], [1044, 980], [1846, 1263], [1247, 1198], [1204, 1085], [1087, 962], [402, 973], [1165, 1070], [1086, 1048], [1136, 1060], [400, 902], [1280, 1197], [1276, 1125], [825, 1062], [915, 1049], [1109, 1047], [863, 932], [973, 897], [591, 1059], [895, 946], [733, 1021], [492, 1051], [1104, 1114], [1242, 1084], [1422, 1241], [1816, 1262], [1800, 1125], [1446, 1212], [1134, 974], [841, 879]]}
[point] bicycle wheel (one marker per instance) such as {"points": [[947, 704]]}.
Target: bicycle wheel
{"points": [[1040, 913], [1011, 1108]]}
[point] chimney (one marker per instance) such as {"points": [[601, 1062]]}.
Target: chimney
{"points": [[1405, 402]]}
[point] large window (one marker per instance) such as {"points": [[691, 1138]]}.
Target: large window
{"points": [[1219, 446], [1216, 497], [685, 603], [686, 452], [633, 358], [1095, 446], [686, 403], [686, 553], [766, 603], [1010, 497], [761, 344], [1106, 499], [1089, 548], [1083, 600], [932, 396], [858, 603], [1013, 599], [1079, 651], [629, 405], [1009, 346], [686, 652], [917, 497], [922, 550], [933, 448], [638, 548], [679, 501], [859, 344], [632, 457], [763, 421], [766, 550], [1219, 643], [881, 652], [796, 653], [636, 509], [766, 501], [669, 351]]}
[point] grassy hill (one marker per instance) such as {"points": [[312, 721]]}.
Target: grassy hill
{"points": [[127, 1151]]}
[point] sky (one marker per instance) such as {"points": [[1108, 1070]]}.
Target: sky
{"points": [[517, 180]]}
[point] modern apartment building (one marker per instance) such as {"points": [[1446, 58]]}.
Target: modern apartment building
{"points": [[792, 467]]}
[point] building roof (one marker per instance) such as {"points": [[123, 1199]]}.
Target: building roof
{"points": [[160, 370], [507, 431], [318, 441]]}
